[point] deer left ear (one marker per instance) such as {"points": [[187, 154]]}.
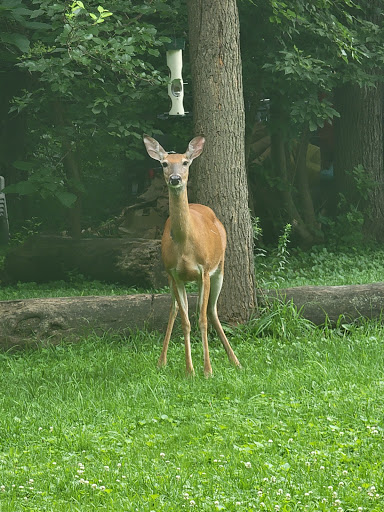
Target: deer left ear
{"points": [[154, 149], [195, 148]]}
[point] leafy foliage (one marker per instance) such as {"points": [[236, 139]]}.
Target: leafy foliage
{"points": [[299, 52], [91, 81], [16, 20], [92, 71]]}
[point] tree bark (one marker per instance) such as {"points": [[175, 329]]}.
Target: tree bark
{"points": [[31, 322], [219, 177], [37, 321]]}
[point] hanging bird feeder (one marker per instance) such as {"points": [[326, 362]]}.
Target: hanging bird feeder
{"points": [[176, 85]]}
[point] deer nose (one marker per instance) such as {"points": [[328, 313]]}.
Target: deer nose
{"points": [[174, 180]]}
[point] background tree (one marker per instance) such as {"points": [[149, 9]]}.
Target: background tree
{"points": [[359, 163], [89, 70], [302, 52], [219, 176], [87, 80]]}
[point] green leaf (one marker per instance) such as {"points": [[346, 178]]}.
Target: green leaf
{"points": [[66, 198], [23, 166], [37, 25], [23, 188], [18, 40], [312, 126]]}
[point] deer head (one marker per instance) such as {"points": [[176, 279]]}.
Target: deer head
{"points": [[175, 166]]}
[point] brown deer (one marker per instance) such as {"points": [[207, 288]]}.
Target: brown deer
{"points": [[193, 248]]}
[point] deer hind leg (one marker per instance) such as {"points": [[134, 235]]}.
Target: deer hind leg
{"points": [[172, 316], [182, 301], [204, 290], [216, 284]]}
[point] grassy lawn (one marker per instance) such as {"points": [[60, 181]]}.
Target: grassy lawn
{"points": [[322, 267], [80, 287], [95, 426]]}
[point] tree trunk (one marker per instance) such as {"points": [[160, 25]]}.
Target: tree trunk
{"points": [[50, 320], [305, 196], [73, 173], [219, 176], [359, 141], [280, 169]]}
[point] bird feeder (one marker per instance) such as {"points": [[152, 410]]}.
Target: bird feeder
{"points": [[176, 86]]}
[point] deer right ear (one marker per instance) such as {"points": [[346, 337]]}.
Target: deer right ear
{"points": [[153, 148], [195, 148]]}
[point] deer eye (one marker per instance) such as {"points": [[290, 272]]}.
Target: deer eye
{"points": [[164, 164], [185, 162]]}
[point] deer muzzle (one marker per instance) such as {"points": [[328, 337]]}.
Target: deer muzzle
{"points": [[175, 180]]}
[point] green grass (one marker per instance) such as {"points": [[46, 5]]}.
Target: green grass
{"points": [[95, 426], [322, 267], [79, 287]]}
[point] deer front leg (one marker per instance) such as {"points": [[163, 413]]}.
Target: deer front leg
{"points": [[203, 321], [172, 316], [182, 301], [216, 284]]}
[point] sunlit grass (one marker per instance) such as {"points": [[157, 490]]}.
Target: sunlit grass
{"points": [[328, 268], [79, 288], [97, 426]]}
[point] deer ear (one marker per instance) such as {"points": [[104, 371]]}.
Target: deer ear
{"points": [[154, 149], [195, 148]]}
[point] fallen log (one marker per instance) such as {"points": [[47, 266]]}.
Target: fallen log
{"points": [[328, 303], [133, 262], [50, 320], [32, 321]]}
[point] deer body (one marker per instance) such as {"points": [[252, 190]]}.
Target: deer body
{"points": [[181, 250], [193, 248]]}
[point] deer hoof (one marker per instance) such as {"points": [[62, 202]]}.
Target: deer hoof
{"points": [[190, 372], [208, 373]]}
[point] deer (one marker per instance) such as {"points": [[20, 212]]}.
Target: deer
{"points": [[192, 249]]}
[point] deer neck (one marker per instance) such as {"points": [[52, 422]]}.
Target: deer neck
{"points": [[179, 215]]}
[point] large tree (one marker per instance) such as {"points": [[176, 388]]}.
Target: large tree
{"points": [[219, 176]]}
